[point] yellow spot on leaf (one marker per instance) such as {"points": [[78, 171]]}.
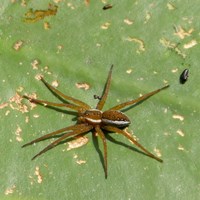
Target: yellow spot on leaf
{"points": [[190, 44], [105, 26], [139, 42], [18, 45], [181, 118], [35, 15], [182, 33], [76, 143], [84, 86]]}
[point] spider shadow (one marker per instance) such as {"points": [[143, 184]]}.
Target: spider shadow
{"points": [[111, 139], [63, 101], [134, 105], [67, 112]]}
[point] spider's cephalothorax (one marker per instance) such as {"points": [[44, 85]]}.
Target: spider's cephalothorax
{"points": [[95, 120]]}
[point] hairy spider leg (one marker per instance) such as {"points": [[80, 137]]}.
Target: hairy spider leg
{"points": [[76, 101], [85, 128], [105, 91], [70, 128], [102, 136], [142, 98], [47, 103], [117, 130]]}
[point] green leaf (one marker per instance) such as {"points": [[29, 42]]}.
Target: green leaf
{"points": [[149, 44]]}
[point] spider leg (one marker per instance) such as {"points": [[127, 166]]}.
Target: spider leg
{"points": [[117, 130], [142, 98], [47, 103], [105, 92], [102, 136], [76, 101], [70, 128], [85, 128]]}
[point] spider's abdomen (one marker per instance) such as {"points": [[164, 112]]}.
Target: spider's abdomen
{"points": [[115, 118]]}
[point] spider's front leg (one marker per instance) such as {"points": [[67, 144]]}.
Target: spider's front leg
{"points": [[138, 100]]}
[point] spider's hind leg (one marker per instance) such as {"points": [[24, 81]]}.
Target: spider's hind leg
{"points": [[117, 130]]}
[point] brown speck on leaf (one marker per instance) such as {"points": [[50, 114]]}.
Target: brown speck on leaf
{"points": [[180, 147], [105, 25], [47, 26], [155, 72], [80, 162], [139, 42], [167, 134], [59, 48], [32, 16], [16, 103], [180, 132], [157, 151], [87, 2], [10, 190], [36, 116], [20, 89], [190, 44], [57, 1], [18, 134], [174, 70], [147, 17], [7, 112], [170, 6], [181, 118], [18, 45], [35, 64], [128, 21], [38, 174], [3, 105], [38, 77], [129, 71], [84, 86], [181, 32], [165, 81], [70, 5], [75, 156], [78, 142], [27, 119], [172, 46], [55, 84], [23, 3], [165, 110]]}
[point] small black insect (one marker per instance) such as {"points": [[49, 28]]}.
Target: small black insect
{"points": [[184, 76], [97, 97], [107, 6]]}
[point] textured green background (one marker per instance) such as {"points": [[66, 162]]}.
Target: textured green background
{"points": [[86, 56]]}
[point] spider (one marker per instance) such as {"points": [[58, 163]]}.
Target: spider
{"points": [[92, 119]]}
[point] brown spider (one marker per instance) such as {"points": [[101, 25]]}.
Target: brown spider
{"points": [[94, 120]]}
